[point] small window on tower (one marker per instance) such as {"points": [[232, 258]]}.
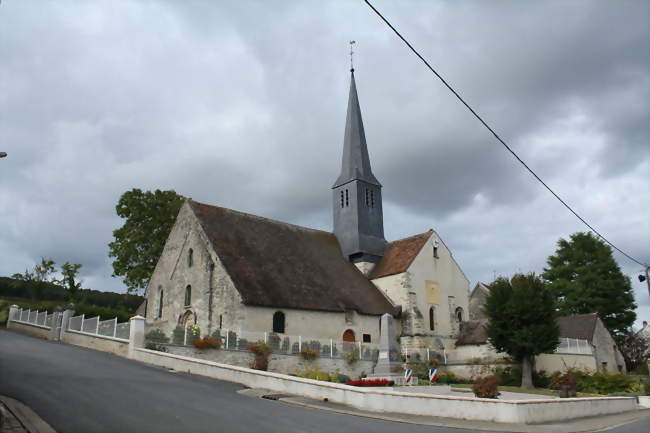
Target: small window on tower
{"points": [[190, 258], [347, 199], [342, 204], [372, 198], [367, 197]]}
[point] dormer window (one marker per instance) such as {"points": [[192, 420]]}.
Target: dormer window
{"points": [[190, 258]]}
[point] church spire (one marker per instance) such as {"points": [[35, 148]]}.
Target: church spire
{"points": [[356, 162], [358, 213]]}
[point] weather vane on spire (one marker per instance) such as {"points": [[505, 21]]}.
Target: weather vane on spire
{"points": [[351, 53]]}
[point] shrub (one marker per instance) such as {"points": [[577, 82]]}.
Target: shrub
{"points": [[193, 333], [309, 354], [510, 376], [541, 379], [487, 387], [178, 335], [370, 382], [315, 374], [351, 357], [156, 336], [206, 343], [155, 346], [262, 352]]}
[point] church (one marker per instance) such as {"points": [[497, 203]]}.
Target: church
{"points": [[228, 270]]}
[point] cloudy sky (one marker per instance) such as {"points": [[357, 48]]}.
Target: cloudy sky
{"points": [[242, 105]]}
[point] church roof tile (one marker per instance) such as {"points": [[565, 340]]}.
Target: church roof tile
{"points": [[399, 255], [280, 265]]}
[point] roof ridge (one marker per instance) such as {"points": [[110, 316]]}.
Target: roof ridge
{"points": [[258, 217], [411, 237]]}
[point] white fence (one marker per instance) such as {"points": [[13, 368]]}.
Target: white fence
{"points": [[96, 326], [40, 318], [281, 343]]}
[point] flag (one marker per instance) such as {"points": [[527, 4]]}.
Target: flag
{"points": [[432, 374], [407, 376]]}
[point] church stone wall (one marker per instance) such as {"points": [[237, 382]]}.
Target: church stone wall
{"points": [[314, 324], [206, 276], [430, 281]]}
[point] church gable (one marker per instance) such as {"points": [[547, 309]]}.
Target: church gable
{"points": [[279, 265]]}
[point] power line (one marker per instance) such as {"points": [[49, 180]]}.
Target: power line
{"points": [[499, 138]]}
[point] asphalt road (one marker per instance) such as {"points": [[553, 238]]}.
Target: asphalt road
{"points": [[76, 389]]}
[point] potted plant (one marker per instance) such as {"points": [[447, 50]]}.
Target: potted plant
{"points": [[262, 351]]}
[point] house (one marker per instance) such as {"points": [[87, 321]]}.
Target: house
{"points": [[226, 270], [585, 344]]}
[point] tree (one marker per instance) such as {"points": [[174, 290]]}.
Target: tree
{"points": [[140, 241], [584, 278], [635, 350], [69, 272], [522, 320], [36, 281]]}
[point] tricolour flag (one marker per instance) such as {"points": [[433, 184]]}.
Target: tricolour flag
{"points": [[407, 376], [433, 375]]}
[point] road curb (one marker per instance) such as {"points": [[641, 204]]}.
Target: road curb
{"points": [[26, 416]]}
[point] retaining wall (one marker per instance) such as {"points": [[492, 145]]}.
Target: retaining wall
{"points": [[506, 411], [30, 329], [97, 342], [286, 364]]}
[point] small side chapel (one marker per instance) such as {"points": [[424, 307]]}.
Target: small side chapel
{"points": [[223, 269]]}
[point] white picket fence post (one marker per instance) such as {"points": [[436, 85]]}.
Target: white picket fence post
{"points": [[428, 354], [331, 348], [97, 327], [359, 350], [227, 332], [115, 328], [299, 343], [265, 339], [185, 337], [83, 318]]}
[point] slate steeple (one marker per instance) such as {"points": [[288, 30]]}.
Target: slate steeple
{"points": [[358, 214]]}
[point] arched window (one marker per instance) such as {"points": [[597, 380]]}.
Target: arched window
{"points": [[160, 303], [190, 258], [278, 322], [188, 295], [459, 314], [220, 321], [432, 323]]}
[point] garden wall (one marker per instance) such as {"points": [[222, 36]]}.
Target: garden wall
{"points": [[97, 342], [286, 364], [30, 329], [507, 411]]}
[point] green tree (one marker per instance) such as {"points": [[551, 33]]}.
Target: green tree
{"points": [[139, 242], [522, 320], [69, 281], [36, 281], [584, 278]]}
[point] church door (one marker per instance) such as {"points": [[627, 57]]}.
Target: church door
{"points": [[348, 336]]}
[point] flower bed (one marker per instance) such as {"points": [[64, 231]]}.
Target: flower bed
{"points": [[371, 382]]}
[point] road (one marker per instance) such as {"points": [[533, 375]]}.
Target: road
{"points": [[76, 389]]}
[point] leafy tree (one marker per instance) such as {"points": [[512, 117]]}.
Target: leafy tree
{"points": [[635, 350], [140, 241], [584, 278], [37, 280], [522, 320], [69, 272]]}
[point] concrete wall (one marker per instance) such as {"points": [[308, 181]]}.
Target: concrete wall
{"points": [[520, 411], [97, 342], [29, 329], [561, 361], [286, 364]]}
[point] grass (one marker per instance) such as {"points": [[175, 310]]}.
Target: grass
{"points": [[537, 391]]}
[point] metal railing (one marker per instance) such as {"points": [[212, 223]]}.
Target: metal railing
{"points": [[40, 318], [96, 326], [281, 343]]}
